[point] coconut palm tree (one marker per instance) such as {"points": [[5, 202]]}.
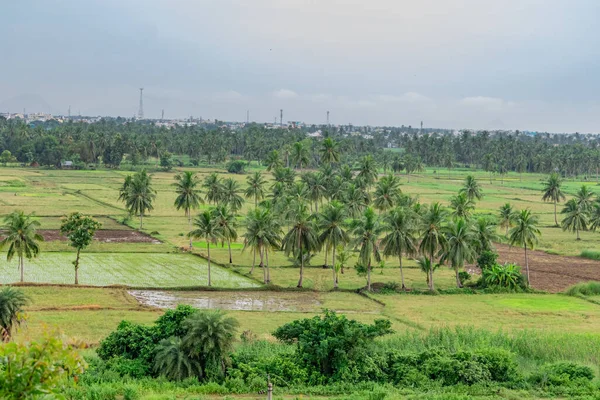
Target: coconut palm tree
{"points": [[316, 187], [329, 151], [401, 237], [300, 155], [302, 237], [188, 195], [366, 231], [12, 301], [214, 188], [595, 217], [256, 187], [484, 230], [462, 206], [231, 194], [225, 217], [367, 170], [525, 233], [208, 229], [552, 192], [263, 232], [387, 193], [172, 360], [346, 173], [140, 195], [584, 198], [576, 218], [330, 223], [124, 189], [21, 236], [428, 267], [472, 189], [507, 216], [356, 200], [460, 246], [273, 161], [432, 237]]}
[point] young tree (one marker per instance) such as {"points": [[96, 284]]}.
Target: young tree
{"points": [[432, 237], [21, 235], [428, 267], [484, 230], [462, 206], [256, 187], [188, 196], [214, 188], [595, 217], [552, 192], [262, 232], [367, 170], [584, 198], [302, 237], [331, 225], [507, 216], [576, 218], [300, 155], [225, 218], [366, 231], [12, 301], [80, 230], [273, 161], [387, 193], [472, 189], [401, 237], [525, 233], [208, 229], [459, 248], [231, 194], [140, 195]]}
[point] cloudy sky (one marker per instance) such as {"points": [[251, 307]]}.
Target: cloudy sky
{"points": [[510, 64]]}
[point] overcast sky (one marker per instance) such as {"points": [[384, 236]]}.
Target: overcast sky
{"points": [[510, 64]]}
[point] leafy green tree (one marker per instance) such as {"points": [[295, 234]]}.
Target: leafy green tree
{"points": [[576, 218], [331, 223], [207, 228], [552, 192], [472, 189], [460, 246], [301, 238], [209, 339], [507, 217], [256, 187], [140, 195], [166, 161], [387, 193], [12, 302], [329, 151], [525, 233], [7, 157], [80, 230], [188, 195], [366, 231], [433, 239], [226, 220], [214, 188], [401, 237], [231, 194], [21, 236]]}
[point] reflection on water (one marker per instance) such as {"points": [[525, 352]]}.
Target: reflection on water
{"points": [[224, 300]]}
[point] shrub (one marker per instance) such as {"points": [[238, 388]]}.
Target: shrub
{"points": [[464, 276], [504, 276], [127, 367], [584, 289], [560, 374], [591, 254], [171, 322], [130, 341], [236, 167], [487, 259]]}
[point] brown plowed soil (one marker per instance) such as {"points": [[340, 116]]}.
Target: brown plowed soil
{"points": [[104, 235], [551, 272]]}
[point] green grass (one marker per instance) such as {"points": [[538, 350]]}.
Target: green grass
{"points": [[132, 269], [591, 254], [584, 289]]}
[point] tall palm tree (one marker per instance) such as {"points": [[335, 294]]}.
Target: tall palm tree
{"points": [[273, 161], [140, 195], [356, 200], [576, 218], [262, 232], [367, 170], [12, 301], [331, 225], [366, 231], [387, 193], [225, 218], [432, 236], [460, 246], [595, 217], [507, 216], [300, 155], [329, 151], [316, 187], [231, 194], [256, 187], [401, 237], [301, 238], [188, 195], [214, 188], [484, 230], [124, 189], [208, 229], [525, 233], [462, 206], [21, 235], [585, 198], [552, 192], [472, 188]]}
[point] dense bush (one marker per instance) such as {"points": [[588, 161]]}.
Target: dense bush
{"points": [[130, 341], [236, 167], [560, 374], [591, 254], [506, 276], [487, 259], [584, 289]]}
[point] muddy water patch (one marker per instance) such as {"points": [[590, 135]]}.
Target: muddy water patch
{"points": [[238, 301]]}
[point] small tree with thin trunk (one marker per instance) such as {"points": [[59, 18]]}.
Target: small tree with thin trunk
{"points": [[188, 195], [207, 228], [576, 218], [552, 192], [525, 233], [301, 238], [366, 231], [80, 230], [401, 236], [21, 235]]}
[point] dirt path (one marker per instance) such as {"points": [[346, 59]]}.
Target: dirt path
{"points": [[551, 272]]}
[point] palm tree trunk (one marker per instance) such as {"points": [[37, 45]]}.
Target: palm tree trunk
{"points": [[578, 238], [401, 272], [268, 270], [190, 226], [326, 254], [555, 220], [22, 267], [431, 285], [335, 280], [253, 259], [301, 262], [262, 264], [229, 247], [458, 282], [77, 267], [526, 264], [255, 201], [369, 276], [141, 221], [208, 247]]}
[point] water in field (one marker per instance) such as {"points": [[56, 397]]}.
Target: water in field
{"points": [[239, 301]]}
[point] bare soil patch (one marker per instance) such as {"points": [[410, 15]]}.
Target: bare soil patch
{"points": [[105, 236], [551, 272]]}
